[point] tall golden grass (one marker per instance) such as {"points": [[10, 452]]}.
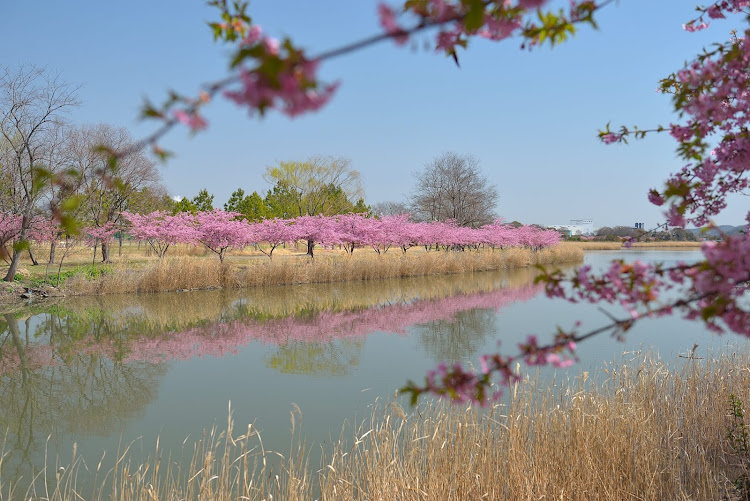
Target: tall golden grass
{"points": [[183, 273], [648, 430]]}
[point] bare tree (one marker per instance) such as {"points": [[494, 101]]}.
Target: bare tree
{"points": [[389, 208], [452, 187], [33, 105], [109, 189]]}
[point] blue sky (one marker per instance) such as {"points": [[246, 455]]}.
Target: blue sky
{"points": [[531, 118]]}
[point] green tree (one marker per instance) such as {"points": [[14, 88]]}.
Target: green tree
{"points": [[202, 202], [184, 205], [252, 207], [282, 201], [319, 185]]}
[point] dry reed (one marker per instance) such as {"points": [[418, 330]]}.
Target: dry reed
{"points": [[649, 430], [184, 273]]}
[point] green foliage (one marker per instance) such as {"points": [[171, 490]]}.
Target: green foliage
{"points": [[203, 201], [147, 200], [362, 208], [184, 205], [283, 201], [89, 272], [252, 207], [21, 245], [316, 186]]}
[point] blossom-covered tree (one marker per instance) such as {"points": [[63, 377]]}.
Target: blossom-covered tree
{"points": [[274, 232], [220, 231], [161, 229]]}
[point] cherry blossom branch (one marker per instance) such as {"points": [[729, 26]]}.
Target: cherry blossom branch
{"points": [[291, 79], [460, 385]]}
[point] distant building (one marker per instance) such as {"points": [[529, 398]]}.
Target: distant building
{"points": [[571, 229], [639, 226], [586, 224], [576, 227]]}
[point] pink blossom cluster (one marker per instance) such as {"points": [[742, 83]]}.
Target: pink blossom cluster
{"points": [[220, 231], [160, 229], [722, 284], [280, 77], [496, 20], [717, 10], [100, 234], [714, 291], [535, 354], [711, 93], [460, 385], [43, 229]]}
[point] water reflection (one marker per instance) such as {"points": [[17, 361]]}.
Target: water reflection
{"points": [[90, 367], [156, 329], [48, 389], [335, 358], [457, 339]]}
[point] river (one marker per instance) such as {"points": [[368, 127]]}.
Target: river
{"points": [[106, 372]]}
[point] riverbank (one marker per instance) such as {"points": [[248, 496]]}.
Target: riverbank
{"points": [[187, 272], [641, 429]]}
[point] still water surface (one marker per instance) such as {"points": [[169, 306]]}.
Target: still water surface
{"points": [[102, 372]]}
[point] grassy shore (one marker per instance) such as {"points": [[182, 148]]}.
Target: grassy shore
{"points": [[139, 274], [645, 430]]}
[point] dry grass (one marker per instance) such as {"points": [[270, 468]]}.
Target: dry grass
{"points": [[184, 273], [647, 431], [222, 467]]}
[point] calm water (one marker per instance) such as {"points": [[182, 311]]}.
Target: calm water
{"points": [[101, 372]]}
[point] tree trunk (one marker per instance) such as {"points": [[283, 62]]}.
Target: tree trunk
{"points": [[105, 252], [52, 249], [11, 275], [310, 246], [34, 262], [119, 249]]}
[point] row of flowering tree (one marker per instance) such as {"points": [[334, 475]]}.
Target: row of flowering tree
{"points": [[221, 231]]}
